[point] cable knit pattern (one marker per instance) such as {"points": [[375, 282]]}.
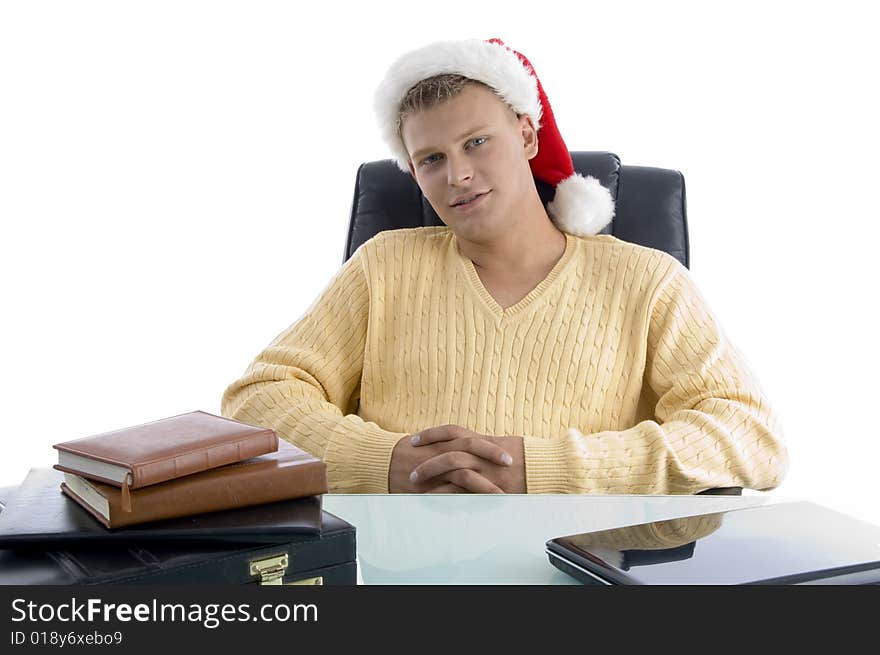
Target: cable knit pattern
{"points": [[613, 370]]}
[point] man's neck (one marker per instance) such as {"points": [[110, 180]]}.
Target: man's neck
{"points": [[532, 248]]}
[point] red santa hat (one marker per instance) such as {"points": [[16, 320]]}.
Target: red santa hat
{"points": [[581, 206]]}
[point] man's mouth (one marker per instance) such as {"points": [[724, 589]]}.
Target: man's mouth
{"points": [[468, 200]]}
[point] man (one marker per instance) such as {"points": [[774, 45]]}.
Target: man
{"points": [[511, 350]]}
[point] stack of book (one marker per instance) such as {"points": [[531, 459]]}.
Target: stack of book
{"points": [[190, 464]]}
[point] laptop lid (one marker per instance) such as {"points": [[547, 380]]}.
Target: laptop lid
{"points": [[785, 543]]}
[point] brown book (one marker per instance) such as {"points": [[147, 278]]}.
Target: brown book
{"points": [[162, 450], [283, 475]]}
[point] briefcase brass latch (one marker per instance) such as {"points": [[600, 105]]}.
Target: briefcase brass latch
{"points": [[270, 569], [309, 581]]}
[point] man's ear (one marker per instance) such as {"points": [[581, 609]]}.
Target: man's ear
{"points": [[529, 136], [412, 171]]}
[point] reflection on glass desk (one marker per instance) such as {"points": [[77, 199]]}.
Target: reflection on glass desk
{"points": [[493, 538], [776, 543]]}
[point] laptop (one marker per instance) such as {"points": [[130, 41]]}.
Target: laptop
{"points": [[784, 543]]}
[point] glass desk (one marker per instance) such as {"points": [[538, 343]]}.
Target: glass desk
{"points": [[493, 538]]}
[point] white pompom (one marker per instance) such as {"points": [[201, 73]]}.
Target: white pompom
{"points": [[582, 206]]}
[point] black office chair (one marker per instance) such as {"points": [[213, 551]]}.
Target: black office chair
{"points": [[650, 202], [650, 208]]}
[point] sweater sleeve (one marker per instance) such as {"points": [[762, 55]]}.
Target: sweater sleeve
{"points": [[306, 385], [713, 427]]}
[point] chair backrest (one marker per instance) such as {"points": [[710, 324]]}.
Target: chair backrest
{"points": [[649, 202]]}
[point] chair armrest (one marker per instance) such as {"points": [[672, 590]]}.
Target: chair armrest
{"points": [[722, 491]]}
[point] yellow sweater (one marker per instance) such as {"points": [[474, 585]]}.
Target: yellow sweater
{"points": [[613, 370]]}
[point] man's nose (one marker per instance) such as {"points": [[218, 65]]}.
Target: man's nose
{"points": [[458, 169]]}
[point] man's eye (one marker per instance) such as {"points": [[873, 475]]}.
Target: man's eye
{"points": [[480, 139], [430, 159]]}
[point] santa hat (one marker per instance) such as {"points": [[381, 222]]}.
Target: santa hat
{"points": [[581, 206]]}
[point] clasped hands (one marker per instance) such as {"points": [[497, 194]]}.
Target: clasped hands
{"points": [[453, 459]]}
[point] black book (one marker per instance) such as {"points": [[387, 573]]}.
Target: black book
{"points": [[38, 514], [279, 543]]}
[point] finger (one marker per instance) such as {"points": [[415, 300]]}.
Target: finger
{"points": [[472, 481], [439, 433], [442, 464], [447, 488], [458, 468], [483, 449], [463, 439]]}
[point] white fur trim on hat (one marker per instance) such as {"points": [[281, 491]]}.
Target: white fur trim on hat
{"points": [[489, 63], [581, 206]]}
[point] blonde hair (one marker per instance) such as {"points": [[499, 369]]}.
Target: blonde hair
{"points": [[431, 92]]}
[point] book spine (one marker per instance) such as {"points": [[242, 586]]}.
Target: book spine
{"points": [[186, 497], [203, 459]]}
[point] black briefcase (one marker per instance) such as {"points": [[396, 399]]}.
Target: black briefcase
{"points": [[327, 558]]}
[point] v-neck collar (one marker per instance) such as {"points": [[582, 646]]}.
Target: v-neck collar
{"points": [[531, 298]]}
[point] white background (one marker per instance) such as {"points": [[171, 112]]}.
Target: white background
{"points": [[176, 180]]}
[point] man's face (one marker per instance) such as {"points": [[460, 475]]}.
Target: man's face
{"points": [[472, 145]]}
